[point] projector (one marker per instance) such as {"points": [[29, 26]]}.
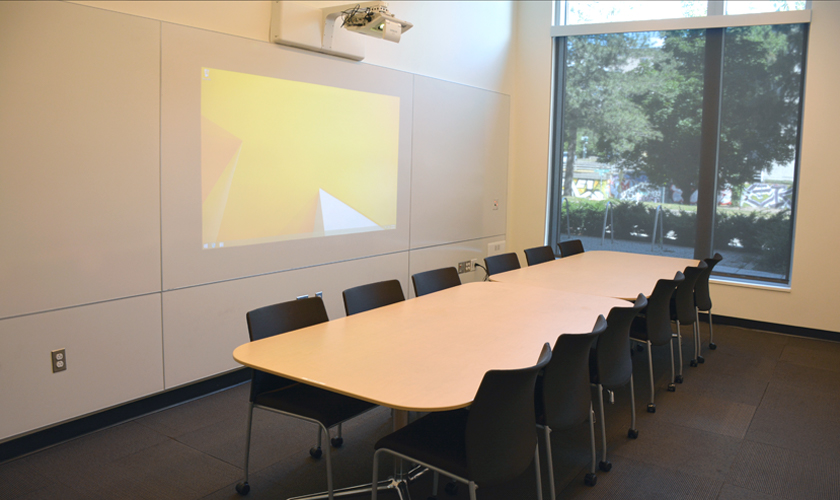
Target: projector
{"points": [[375, 21], [368, 18]]}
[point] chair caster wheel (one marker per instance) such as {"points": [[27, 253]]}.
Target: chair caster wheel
{"points": [[315, 453], [651, 408], [701, 359], [713, 346], [678, 379], [605, 466], [590, 479], [243, 488], [672, 388], [451, 488], [693, 363], [634, 433], [336, 442]]}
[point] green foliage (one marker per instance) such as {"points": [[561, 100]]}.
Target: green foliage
{"points": [[766, 235], [638, 98]]}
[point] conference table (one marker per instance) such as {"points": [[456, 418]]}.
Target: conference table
{"points": [[601, 272], [612, 274], [431, 352]]}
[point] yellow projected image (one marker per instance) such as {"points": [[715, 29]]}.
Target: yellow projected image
{"points": [[285, 160]]}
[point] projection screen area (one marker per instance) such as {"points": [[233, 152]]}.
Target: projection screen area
{"points": [[284, 160]]}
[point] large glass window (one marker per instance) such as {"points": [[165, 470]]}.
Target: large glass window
{"points": [[681, 143]]}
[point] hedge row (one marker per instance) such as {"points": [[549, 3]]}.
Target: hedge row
{"points": [[765, 234]]}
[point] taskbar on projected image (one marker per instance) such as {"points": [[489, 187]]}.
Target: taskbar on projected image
{"points": [[289, 237]]}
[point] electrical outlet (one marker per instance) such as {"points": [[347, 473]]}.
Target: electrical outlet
{"points": [[462, 267], [473, 263], [59, 360], [468, 266]]}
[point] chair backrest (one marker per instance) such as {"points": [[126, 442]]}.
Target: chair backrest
{"points": [[276, 319], [366, 297], [657, 315], [682, 304], [701, 290], [563, 395], [539, 255], [435, 280], [570, 247], [501, 263], [610, 364], [500, 434]]}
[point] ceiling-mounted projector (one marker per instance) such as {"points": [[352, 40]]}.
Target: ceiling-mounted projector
{"points": [[332, 30], [367, 18]]}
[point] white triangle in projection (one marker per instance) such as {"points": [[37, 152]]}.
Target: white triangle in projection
{"points": [[338, 216]]}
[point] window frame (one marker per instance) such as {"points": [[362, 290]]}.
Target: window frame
{"points": [[715, 26]]}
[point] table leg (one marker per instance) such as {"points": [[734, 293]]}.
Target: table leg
{"points": [[399, 481]]}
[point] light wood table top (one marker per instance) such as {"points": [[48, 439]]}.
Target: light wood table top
{"points": [[612, 274], [431, 352]]}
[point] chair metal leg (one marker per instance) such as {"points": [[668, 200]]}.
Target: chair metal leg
{"points": [[679, 352], [374, 490], [337, 441], [550, 463], [539, 474], [435, 481], [316, 451], [604, 464], [590, 479], [672, 387], [329, 467], [243, 488], [712, 344], [651, 408], [633, 433], [698, 348], [472, 486]]}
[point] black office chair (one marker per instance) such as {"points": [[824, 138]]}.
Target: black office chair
{"points": [[366, 297], [570, 247], [683, 311], [491, 443], [702, 298], [611, 367], [563, 397], [539, 255], [501, 263], [435, 280], [281, 395], [653, 327]]}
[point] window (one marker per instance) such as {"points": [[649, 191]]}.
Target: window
{"points": [[681, 142]]}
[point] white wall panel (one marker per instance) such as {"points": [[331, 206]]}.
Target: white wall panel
{"points": [[459, 163], [203, 325], [79, 176], [185, 51], [426, 259], [113, 356]]}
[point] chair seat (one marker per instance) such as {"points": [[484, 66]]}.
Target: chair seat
{"points": [[438, 439], [326, 407]]}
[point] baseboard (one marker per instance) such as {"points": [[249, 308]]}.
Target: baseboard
{"points": [[798, 331], [68, 430]]}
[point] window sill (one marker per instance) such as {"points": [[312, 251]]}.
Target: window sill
{"points": [[744, 283]]}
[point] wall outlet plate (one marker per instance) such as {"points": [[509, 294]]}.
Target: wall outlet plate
{"points": [[59, 360], [495, 248]]}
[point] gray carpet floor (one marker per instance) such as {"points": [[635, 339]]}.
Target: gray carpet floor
{"points": [[759, 420]]}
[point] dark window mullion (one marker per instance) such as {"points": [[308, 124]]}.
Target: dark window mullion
{"points": [[555, 226], [709, 142]]}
